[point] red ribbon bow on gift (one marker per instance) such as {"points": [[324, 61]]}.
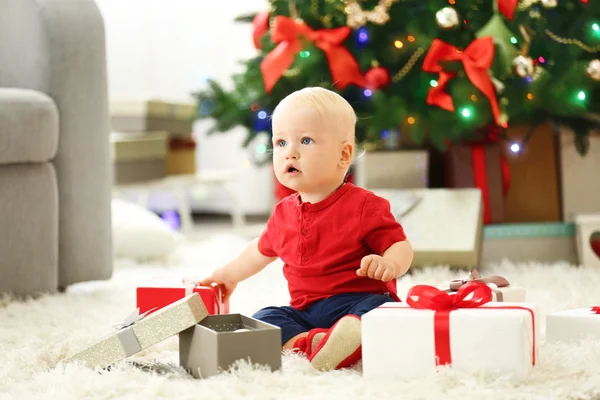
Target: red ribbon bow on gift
{"points": [[596, 309], [432, 298], [474, 275], [288, 33], [429, 297], [477, 59]]}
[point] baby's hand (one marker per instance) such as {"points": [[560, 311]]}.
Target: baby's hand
{"points": [[217, 277], [376, 267]]}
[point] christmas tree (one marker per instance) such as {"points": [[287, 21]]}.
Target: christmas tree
{"points": [[439, 70]]}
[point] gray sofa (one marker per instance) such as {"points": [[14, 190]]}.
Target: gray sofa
{"points": [[55, 186]]}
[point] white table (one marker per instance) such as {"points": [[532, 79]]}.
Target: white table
{"points": [[177, 186]]}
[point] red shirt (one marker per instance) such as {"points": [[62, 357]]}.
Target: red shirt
{"points": [[322, 244]]}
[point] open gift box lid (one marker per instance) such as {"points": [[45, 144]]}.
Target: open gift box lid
{"points": [[139, 332]]}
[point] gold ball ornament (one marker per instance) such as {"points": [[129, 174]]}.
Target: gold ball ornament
{"points": [[358, 17], [549, 3], [380, 15], [446, 18], [593, 70], [523, 66]]}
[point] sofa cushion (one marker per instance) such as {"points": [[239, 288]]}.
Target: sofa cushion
{"points": [[28, 126]]}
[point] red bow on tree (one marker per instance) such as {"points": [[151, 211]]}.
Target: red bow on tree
{"points": [[431, 298], [260, 24], [507, 7], [477, 59], [288, 33]]}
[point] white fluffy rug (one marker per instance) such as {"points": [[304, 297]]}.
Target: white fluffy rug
{"points": [[35, 335]]}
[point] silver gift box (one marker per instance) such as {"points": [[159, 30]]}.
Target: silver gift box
{"points": [[218, 341]]}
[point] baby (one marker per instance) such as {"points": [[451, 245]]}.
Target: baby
{"points": [[341, 246]]}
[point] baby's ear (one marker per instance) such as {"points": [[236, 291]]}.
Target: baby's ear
{"points": [[347, 154]]}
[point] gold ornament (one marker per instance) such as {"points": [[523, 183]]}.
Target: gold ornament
{"points": [[549, 3], [534, 14], [446, 18], [315, 7], [292, 72], [593, 70], [503, 120], [523, 66], [409, 65], [525, 4], [326, 20], [498, 85], [581, 45], [357, 17]]}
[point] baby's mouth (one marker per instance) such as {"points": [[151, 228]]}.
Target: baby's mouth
{"points": [[292, 170]]}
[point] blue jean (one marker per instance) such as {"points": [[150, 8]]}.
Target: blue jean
{"points": [[321, 314]]}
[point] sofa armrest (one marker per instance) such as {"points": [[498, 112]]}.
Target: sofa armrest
{"points": [[28, 126], [58, 47], [78, 84]]}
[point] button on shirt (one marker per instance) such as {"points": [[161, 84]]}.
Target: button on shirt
{"points": [[322, 244]]}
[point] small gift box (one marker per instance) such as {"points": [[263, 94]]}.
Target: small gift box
{"points": [[444, 225], [218, 341], [140, 331], [588, 239], [160, 292], [579, 183], [481, 165], [152, 115], [462, 330], [502, 290], [543, 242], [573, 325], [402, 169], [138, 157]]}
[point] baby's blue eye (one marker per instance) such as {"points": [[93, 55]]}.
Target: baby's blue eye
{"points": [[307, 140], [281, 143]]}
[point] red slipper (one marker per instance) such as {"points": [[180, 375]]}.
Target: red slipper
{"points": [[341, 346], [306, 344], [314, 338]]}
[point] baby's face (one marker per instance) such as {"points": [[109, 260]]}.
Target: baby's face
{"points": [[307, 150]]}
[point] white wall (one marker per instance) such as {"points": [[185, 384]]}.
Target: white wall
{"points": [[166, 50]]}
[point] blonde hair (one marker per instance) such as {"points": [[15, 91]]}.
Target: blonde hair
{"points": [[332, 107]]}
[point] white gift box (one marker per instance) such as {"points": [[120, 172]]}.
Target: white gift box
{"points": [[572, 325], [444, 227], [588, 236], [400, 342], [402, 169]]}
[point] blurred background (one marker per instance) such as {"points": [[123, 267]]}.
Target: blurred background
{"points": [[164, 52], [479, 121], [500, 96]]}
